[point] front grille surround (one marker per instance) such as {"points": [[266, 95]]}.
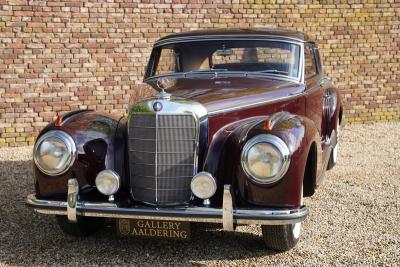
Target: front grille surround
{"points": [[163, 156]]}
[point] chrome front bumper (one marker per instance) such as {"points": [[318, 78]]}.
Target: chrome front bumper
{"points": [[228, 216]]}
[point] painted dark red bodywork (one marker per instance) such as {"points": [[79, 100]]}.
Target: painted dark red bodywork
{"points": [[100, 140], [237, 109]]}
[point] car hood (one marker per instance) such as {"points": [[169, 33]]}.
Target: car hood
{"points": [[220, 95]]}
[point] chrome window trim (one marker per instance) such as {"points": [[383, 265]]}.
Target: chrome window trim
{"points": [[231, 37], [277, 143], [67, 140], [299, 42], [223, 75]]}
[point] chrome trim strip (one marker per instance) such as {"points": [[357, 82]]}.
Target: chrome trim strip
{"points": [[165, 189], [144, 139], [72, 199], [152, 152], [156, 159], [312, 89], [149, 127], [224, 75], [230, 37], [252, 105], [149, 164], [165, 177], [189, 214]]}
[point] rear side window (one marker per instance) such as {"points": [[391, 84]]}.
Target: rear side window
{"points": [[310, 68]]}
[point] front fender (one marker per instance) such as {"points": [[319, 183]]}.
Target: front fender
{"points": [[223, 159], [96, 139]]}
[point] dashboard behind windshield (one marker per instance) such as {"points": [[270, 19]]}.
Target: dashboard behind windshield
{"points": [[255, 56]]}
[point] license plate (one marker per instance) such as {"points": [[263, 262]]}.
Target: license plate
{"points": [[153, 228]]}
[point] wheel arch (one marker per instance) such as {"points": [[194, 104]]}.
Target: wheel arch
{"points": [[310, 172], [341, 115]]}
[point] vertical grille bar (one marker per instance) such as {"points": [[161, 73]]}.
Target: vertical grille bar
{"points": [[162, 155], [156, 172]]}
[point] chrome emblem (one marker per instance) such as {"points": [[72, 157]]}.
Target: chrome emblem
{"points": [[157, 106]]}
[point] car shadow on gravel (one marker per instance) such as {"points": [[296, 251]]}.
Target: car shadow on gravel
{"points": [[28, 238]]}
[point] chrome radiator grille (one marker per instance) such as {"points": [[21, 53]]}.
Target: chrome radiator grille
{"points": [[162, 157]]}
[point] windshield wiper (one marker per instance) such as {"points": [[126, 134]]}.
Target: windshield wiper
{"points": [[207, 70]]}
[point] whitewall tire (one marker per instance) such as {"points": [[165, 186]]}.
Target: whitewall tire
{"points": [[334, 152]]}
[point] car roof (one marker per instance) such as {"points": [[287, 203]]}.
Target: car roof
{"points": [[258, 32]]}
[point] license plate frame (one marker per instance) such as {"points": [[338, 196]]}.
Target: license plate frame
{"points": [[153, 228]]}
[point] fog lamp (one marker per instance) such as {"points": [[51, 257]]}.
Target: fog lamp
{"points": [[203, 185], [108, 182]]}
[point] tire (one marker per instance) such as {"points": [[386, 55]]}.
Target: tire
{"points": [[85, 226], [333, 157], [281, 237]]}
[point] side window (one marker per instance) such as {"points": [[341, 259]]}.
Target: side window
{"points": [[310, 68]]}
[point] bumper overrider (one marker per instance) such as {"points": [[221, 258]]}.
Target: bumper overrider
{"points": [[228, 215]]}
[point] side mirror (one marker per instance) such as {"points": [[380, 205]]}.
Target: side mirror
{"points": [[324, 80]]}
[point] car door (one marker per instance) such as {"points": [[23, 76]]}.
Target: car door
{"points": [[312, 75], [314, 81]]}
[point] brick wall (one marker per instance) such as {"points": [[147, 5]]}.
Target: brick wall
{"points": [[57, 56]]}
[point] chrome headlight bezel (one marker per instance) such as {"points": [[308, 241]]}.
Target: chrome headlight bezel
{"points": [[103, 176], [69, 144], [209, 178], [279, 145]]}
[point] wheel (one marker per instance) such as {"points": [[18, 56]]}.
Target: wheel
{"points": [[333, 157], [282, 237], [85, 226]]}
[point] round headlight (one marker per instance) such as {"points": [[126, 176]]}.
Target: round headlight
{"points": [[265, 158], [203, 185], [107, 182], [54, 152]]}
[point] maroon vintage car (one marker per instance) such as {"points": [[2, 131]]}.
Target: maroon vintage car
{"points": [[244, 126]]}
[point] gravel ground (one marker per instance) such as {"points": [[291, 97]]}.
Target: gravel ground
{"points": [[354, 219]]}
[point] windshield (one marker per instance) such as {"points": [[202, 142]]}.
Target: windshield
{"points": [[249, 56]]}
